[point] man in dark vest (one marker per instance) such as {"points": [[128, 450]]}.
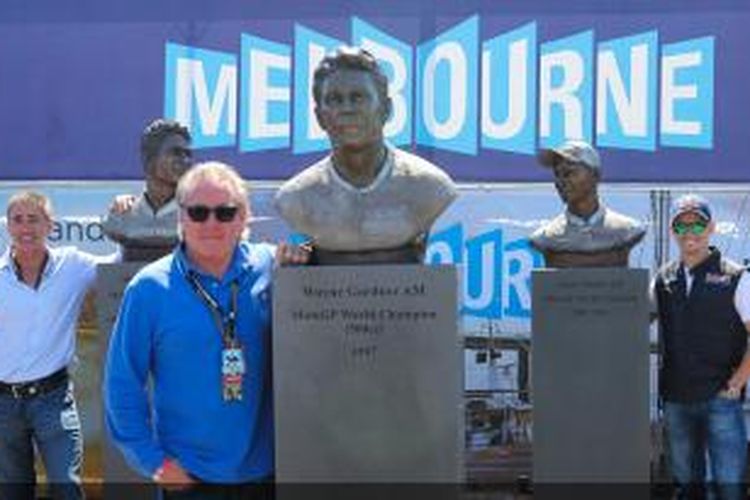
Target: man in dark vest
{"points": [[703, 308]]}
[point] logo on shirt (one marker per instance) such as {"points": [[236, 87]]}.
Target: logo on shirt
{"points": [[717, 279]]}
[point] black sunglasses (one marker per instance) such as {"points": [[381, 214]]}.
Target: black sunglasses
{"points": [[201, 213]]}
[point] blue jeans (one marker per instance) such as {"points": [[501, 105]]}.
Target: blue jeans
{"points": [[715, 428], [49, 421]]}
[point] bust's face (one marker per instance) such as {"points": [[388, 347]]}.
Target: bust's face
{"points": [[350, 109], [172, 160], [574, 182]]}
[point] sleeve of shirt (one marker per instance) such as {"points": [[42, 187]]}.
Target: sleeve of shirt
{"points": [[88, 263], [742, 297], [126, 401]]}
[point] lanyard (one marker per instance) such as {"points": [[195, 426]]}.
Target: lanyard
{"points": [[225, 320]]}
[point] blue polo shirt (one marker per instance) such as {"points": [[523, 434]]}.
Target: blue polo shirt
{"points": [[165, 331]]}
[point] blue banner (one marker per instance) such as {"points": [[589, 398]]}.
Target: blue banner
{"points": [[659, 87]]}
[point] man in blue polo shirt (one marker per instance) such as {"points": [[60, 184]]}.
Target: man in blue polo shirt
{"points": [[197, 323], [703, 305]]}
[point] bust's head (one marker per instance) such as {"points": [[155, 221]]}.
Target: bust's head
{"points": [[577, 169], [351, 97], [165, 151]]}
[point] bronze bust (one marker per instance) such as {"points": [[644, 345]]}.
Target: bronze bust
{"points": [[366, 202], [587, 233], [147, 230]]}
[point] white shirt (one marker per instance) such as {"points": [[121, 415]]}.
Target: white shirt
{"points": [[38, 326], [742, 297]]}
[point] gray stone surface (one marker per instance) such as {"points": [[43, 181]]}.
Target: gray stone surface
{"points": [[368, 374], [110, 284], [590, 376]]}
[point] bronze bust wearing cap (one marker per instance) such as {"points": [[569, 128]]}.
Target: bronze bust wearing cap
{"points": [[366, 202], [587, 233]]}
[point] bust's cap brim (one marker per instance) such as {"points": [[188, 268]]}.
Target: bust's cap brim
{"points": [[572, 151]]}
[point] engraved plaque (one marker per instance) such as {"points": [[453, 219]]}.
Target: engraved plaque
{"points": [[368, 374], [590, 351]]}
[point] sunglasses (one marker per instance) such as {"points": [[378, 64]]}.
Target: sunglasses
{"points": [[682, 228], [201, 213]]}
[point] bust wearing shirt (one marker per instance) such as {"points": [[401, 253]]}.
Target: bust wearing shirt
{"points": [[366, 202], [587, 233], [148, 229]]}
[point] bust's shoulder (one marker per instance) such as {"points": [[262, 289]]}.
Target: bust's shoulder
{"points": [[292, 194], [546, 235], [630, 230], [410, 166], [616, 220], [309, 178], [426, 180]]}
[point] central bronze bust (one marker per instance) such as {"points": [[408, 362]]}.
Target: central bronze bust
{"points": [[366, 202]]}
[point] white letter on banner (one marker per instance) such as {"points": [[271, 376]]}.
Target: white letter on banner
{"points": [[452, 54], [191, 80], [484, 274], [396, 86], [564, 95], [517, 280], [671, 92], [516, 98], [262, 93], [633, 111]]}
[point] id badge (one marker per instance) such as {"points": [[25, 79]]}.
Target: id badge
{"points": [[232, 372]]}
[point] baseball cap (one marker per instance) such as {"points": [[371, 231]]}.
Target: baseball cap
{"points": [[573, 151], [691, 204]]}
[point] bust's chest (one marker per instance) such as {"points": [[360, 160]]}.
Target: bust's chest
{"points": [[352, 220]]}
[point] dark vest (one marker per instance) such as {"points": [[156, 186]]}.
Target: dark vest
{"points": [[703, 338]]}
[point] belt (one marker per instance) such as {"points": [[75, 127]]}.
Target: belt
{"points": [[38, 387]]}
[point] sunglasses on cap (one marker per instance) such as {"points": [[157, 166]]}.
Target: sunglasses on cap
{"points": [[201, 213], [697, 228]]}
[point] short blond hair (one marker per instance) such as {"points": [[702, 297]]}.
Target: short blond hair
{"points": [[217, 173], [33, 198]]}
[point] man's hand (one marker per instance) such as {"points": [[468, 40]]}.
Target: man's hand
{"points": [[733, 389], [290, 255], [122, 203], [172, 477]]}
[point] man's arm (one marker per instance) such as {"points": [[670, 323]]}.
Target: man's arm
{"points": [[113, 224], [126, 401], [288, 254], [742, 303]]}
